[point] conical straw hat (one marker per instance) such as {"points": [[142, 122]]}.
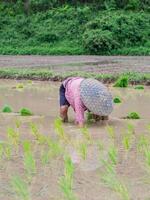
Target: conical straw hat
{"points": [[96, 97]]}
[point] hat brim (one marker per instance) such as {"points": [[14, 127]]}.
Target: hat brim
{"points": [[96, 97]]}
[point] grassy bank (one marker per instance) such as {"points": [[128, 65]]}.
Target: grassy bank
{"points": [[46, 74]]}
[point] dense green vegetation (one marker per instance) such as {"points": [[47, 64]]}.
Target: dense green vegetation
{"points": [[75, 27]]}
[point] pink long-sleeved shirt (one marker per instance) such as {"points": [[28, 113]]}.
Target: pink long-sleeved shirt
{"points": [[72, 93]]}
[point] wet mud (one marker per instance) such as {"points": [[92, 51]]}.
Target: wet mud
{"points": [[43, 100]]}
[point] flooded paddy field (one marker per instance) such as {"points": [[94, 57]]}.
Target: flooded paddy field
{"points": [[110, 160]]}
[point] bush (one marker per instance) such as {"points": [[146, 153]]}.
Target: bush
{"points": [[47, 36], [99, 41]]}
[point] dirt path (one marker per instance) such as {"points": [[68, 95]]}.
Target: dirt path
{"points": [[101, 64]]}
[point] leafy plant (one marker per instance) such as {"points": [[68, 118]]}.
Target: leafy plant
{"points": [[7, 109], [122, 82], [99, 41], [25, 112], [117, 100], [20, 187], [133, 115]]}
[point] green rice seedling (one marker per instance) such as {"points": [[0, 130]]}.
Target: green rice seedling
{"points": [[111, 132], [86, 134], [143, 143], [55, 148], [20, 187], [66, 182], [126, 141], [83, 150], [117, 100], [133, 115], [113, 155], [29, 161], [69, 169], [13, 137], [8, 151], [42, 139], [7, 109], [122, 82], [25, 112], [59, 130], [66, 189], [29, 164], [139, 87], [45, 156], [110, 179], [26, 146]]}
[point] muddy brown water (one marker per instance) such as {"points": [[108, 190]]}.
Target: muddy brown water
{"points": [[42, 98]]}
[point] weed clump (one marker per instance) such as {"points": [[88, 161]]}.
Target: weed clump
{"points": [[139, 87], [117, 100], [133, 115], [25, 112], [122, 82], [7, 109]]}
